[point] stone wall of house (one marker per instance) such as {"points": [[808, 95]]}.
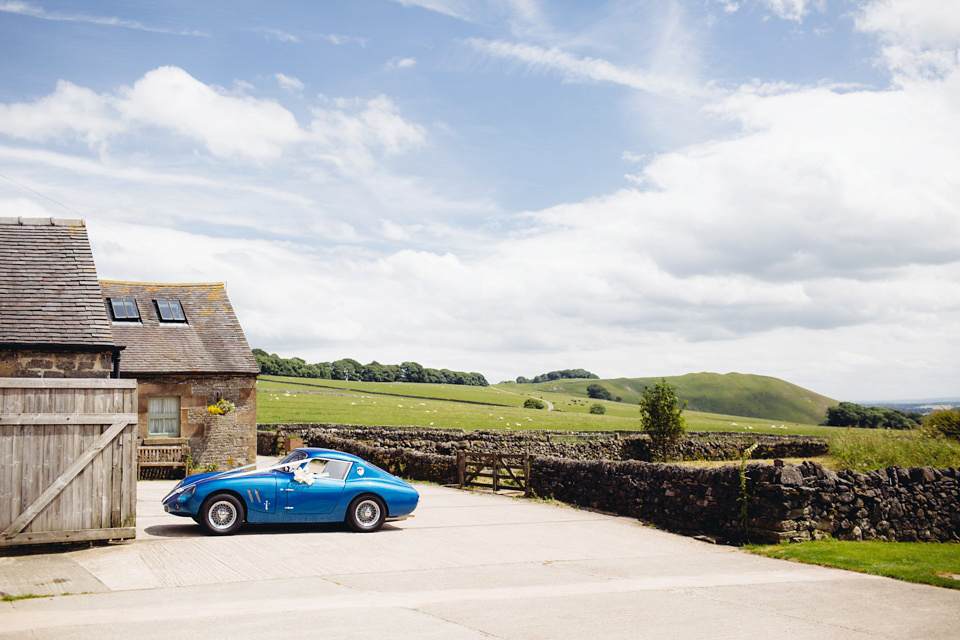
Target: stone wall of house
{"points": [[587, 445], [225, 441], [26, 363], [769, 503]]}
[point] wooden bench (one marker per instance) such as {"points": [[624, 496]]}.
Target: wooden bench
{"points": [[163, 455]]}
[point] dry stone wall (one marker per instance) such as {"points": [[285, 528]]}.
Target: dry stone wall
{"points": [[780, 502], [586, 445]]}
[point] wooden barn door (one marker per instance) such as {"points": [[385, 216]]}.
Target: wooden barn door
{"points": [[68, 454]]}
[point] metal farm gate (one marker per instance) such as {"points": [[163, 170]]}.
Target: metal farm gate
{"points": [[68, 460]]}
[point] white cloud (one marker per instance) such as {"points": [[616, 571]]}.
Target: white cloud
{"points": [[358, 130], [229, 126], [791, 9], [279, 35], [289, 83], [340, 39], [402, 63], [355, 135], [585, 69], [920, 39], [33, 11], [70, 111]]}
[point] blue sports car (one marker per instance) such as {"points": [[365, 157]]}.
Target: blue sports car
{"points": [[309, 485]]}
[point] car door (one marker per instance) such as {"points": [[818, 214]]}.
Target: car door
{"points": [[315, 491]]}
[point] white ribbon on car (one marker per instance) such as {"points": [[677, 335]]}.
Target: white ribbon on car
{"points": [[239, 473], [302, 475]]}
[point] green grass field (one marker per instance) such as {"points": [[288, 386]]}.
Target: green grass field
{"points": [[463, 407], [728, 393], [924, 562]]}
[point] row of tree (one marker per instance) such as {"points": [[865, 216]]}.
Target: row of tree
{"points": [[558, 375], [350, 369], [850, 414]]}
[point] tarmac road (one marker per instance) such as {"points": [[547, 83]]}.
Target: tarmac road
{"points": [[469, 565]]}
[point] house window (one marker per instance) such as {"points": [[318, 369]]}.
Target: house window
{"points": [[169, 311], [124, 309], [163, 417]]}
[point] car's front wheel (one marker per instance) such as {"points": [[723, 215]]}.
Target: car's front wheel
{"points": [[221, 514], [366, 514]]}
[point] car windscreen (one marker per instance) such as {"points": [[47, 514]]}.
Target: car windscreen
{"points": [[293, 457]]}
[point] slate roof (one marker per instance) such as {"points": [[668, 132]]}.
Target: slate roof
{"points": [[211, 341], [49, 294]]}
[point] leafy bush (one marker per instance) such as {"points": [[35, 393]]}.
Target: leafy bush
{"points": [[945, 423], [598, 392], [660, 417], [850, 414], [868, 450], [533, 403], [598, 409], [563, 374]]}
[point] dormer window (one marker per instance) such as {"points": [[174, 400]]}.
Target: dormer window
{"points": [[170, 311], [124, 309]]}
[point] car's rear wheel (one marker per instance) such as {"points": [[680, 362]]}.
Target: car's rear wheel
{"points": [[366, 514], [221, 514]]}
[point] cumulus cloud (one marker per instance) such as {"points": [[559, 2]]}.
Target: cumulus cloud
{"points": [[919, 39], [289, 83], [352, 134], [70, 111], [229, 126], [358, 129]]}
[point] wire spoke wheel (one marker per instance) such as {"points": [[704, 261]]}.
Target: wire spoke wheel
{"points": [[221, 514], [367, 513]]}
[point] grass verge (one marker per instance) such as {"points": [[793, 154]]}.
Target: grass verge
{"points": [[930, 563], [26, 596], [867, 449]]}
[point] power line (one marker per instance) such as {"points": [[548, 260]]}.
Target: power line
{"points": [[106, 226]]}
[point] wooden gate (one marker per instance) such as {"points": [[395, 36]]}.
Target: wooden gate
{"points": [[495, 471], [68, 460]]}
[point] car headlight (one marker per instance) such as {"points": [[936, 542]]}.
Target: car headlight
{"points": [[187, 493]]}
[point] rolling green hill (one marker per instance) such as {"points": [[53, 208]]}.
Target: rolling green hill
{"points": [[735, 394], [496, 407]]}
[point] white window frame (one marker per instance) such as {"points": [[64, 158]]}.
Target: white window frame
{"points": [[162, 420]]}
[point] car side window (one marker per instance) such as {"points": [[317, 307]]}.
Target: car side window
{"points": [[335, 469]]}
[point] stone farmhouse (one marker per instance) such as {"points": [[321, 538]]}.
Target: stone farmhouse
{"points": [[181, 342], [187, 351], [52, 323]]}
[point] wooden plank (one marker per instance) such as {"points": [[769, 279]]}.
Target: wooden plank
{"points": [[106, 484], [86, 480], [68, 383], [6, 479], [31, 470], [46, 462], [128, 505], [78, 465], [116, 472], [16, 500], [69, 499], [65, 418], [75, 535]]}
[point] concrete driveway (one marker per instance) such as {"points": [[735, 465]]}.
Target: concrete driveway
{"points": [[468, 566]]}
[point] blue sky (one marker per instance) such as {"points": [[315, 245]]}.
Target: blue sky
{"points": [[516, 186]]}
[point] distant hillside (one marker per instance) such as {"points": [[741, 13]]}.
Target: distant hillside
{"points": [[735, 394]]}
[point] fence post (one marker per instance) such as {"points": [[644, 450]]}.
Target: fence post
{"points": [[496, 472], [527, 467], [461, 467]]}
